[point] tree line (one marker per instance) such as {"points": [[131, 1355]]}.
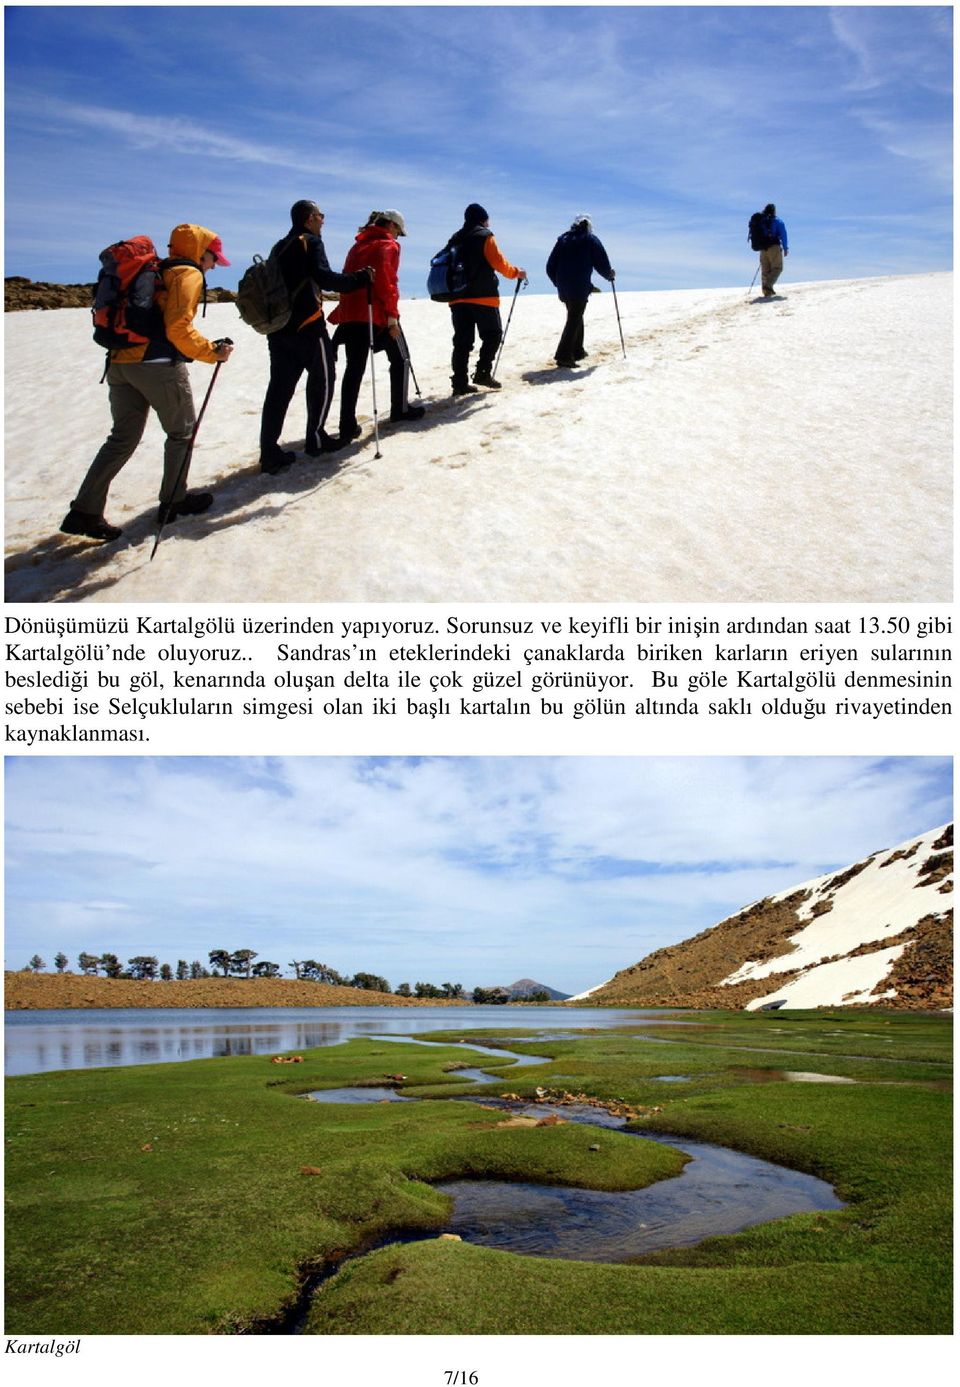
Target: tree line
{"points": [[239, 963]]}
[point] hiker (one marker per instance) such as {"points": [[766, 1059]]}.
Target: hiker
{"points": [[577, 253], [768, 235], [477, 308], [154, 376], [302, 343], [375, 245]]}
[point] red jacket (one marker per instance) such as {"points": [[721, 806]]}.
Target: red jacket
{"points": [[373, 246]]}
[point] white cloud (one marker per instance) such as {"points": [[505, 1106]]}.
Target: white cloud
{"points": [[437, 862]]}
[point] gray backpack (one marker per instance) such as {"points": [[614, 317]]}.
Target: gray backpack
{"points": [[263, 300]]}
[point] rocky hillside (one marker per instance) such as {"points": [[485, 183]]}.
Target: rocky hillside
{"points": [[878, 933], [20, 293]]}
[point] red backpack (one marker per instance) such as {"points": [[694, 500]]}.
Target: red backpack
{"points": [[124, 311]]}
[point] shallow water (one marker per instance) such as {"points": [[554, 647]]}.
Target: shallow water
{"points": [[358, 1095], [790, 1076], [40, 1041], [720, 1191]]}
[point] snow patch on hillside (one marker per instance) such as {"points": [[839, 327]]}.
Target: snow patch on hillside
{"points": [[879, 902]]}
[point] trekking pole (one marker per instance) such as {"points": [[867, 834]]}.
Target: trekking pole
{"points": [[373, 372], [619, 324], [413, 374], [521, 283], [189, 453], [754, 280]]}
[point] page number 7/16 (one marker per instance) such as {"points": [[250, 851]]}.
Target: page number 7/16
{"points": [[460, 1377]]}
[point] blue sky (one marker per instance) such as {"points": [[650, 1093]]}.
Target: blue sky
{"points": [[472, 870], [669, 125]]}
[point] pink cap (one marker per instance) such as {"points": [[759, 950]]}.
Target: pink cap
{"points": [[216, 250]]}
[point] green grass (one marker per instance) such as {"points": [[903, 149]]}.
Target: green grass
{"points": [[210, 1229]]}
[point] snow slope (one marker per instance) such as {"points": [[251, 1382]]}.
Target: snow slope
{"points": [[793, 450], [884, 898], [820, 943]]}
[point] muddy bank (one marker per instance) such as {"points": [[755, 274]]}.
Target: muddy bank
{"points": [[54, 992]]}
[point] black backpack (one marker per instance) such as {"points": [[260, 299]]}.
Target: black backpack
{"points": [[758, 232], [448, 278]]}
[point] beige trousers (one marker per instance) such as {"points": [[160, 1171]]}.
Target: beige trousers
{"points": [[771, 266]]}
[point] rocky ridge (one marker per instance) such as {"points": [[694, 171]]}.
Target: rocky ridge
{"points": [[21, 294]]}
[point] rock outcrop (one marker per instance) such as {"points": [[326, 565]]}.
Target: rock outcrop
{"points": [[20, 294]]}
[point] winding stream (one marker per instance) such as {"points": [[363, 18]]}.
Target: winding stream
{"points": [[719, 1191]]}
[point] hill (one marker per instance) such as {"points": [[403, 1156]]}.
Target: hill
{"points": [[525, 987], [51, 991], [666, 475], [878, 933]]}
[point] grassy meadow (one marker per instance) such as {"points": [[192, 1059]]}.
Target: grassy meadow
{"points": [[193, 1197]]}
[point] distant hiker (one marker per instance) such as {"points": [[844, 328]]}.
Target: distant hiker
{"points": [[767, 234], [302, 343], [577, 253], [154, 376], [375, 245], [477, 309]]}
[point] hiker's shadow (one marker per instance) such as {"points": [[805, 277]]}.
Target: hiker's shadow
{"points": [[557, 375], [62, 568]]}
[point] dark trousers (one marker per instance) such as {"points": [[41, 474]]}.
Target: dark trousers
{"points": [[469, 318], [570, 346], [291, 354], [355, 340]]}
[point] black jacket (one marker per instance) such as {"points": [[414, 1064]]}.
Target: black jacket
{"points": [[306, 270], [571, 261], [482, 282]]}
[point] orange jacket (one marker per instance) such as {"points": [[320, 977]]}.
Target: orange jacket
{"points": [[179, 298], [496, 260]]}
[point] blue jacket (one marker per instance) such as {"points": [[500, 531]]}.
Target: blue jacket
{"points": [[776, 230], [572, 259]]}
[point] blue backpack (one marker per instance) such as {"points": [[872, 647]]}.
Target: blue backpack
{"points": [[447, 279]]}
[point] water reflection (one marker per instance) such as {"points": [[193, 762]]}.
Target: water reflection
{"points": [[37, 1042]]}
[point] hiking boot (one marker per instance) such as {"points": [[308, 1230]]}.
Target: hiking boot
{"points": [[350, 431], [81, 522], [565, 361], [328, 444], [194, 503], [485, 377], [277, 462], [463, 387], [399, 416]]}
